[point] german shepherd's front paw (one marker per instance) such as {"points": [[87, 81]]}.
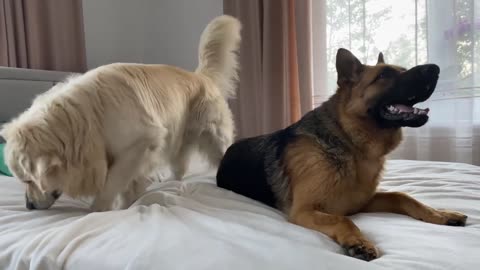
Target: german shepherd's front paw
{"points": [[363, 250], [453, 218]]}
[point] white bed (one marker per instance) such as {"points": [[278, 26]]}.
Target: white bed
{"points": [[195, 225]]}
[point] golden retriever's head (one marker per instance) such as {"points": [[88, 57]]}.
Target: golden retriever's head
{"points": [[33, 160]]}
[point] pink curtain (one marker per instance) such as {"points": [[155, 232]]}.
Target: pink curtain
{"points": [[276, 81], [46, 34]]}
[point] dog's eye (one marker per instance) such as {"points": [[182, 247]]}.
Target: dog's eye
{"points": [[382, 75]]}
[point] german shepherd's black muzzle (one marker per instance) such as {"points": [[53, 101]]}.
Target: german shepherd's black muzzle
{"points": [[395, 108]]}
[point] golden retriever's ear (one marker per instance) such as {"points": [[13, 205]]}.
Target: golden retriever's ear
{"points": [[46, 164]]}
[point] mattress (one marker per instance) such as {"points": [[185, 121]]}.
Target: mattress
{"points": [[195, 225]]}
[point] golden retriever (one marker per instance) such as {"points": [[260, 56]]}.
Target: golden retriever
{"points": [[104, 132]]}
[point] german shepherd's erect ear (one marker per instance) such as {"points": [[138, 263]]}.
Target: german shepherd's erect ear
{"points": [[380, 59], [348, 67]]}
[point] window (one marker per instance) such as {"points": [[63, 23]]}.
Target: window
{"points": [[412, 32]]}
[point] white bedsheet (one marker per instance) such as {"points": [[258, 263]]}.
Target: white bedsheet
{"points": [[195, 225]]}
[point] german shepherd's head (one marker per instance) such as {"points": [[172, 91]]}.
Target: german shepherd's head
{"points": [[385, 94]]}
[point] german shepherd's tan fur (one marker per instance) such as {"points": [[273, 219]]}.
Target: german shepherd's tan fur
{"points": [[328, 165]]}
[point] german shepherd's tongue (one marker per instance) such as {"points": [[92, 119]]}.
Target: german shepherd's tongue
{"points": [[400, 108]]}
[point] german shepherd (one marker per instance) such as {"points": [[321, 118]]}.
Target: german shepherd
{"points": [[328, 165]]}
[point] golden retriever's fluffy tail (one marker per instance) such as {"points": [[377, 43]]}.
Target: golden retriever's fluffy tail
{"points": [[219, 45]]}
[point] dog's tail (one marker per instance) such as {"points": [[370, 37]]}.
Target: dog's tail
{"points": [[217, 53]]}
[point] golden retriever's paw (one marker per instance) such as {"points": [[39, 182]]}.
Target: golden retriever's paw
{"points": [[363, 250], [453, 218]]}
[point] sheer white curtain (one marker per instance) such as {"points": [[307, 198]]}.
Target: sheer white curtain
{"points": [[411, 32]]}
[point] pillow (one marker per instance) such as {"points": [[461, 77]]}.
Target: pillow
{"points": [[3, 167]]}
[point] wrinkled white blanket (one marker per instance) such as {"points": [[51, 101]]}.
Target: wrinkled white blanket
{"points": [[195, 225]]}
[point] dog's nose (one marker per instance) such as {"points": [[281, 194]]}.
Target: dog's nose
{"points": [[30, 205], [56, 194], [430, 70]]}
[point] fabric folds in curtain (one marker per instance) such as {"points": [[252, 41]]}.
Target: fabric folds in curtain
{"points": [[276, 76], [46, 34]]}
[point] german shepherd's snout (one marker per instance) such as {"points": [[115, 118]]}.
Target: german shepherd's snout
{"points": [[395, 108]]}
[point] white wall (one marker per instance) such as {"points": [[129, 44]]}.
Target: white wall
{"points": [[180, 25], [146, 31]]}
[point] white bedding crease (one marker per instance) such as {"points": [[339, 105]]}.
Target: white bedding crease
{"points": [[195, 225]]}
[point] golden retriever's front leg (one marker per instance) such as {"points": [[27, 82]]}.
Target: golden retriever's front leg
{"points": [[401, 203], [339, 228], [134, 190], [125, 168]]}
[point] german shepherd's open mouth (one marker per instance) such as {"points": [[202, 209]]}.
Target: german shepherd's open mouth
{"points": [[396, 107]]}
